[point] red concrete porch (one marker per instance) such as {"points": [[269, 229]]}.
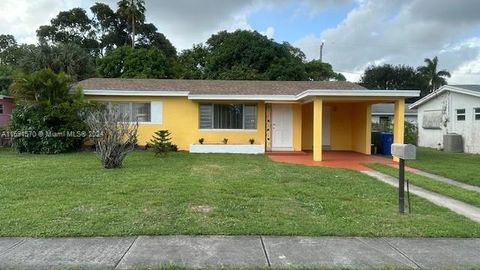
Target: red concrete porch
{"points": [[334, 159]]}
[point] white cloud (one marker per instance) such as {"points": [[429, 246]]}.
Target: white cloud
{"points": [[270, 32], [375, 32], [23, 17], [403, 32]]}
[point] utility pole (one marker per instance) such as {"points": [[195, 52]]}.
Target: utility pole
{"points": [[321, 52], [132, 6]]}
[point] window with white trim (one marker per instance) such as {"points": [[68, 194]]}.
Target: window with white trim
{"points": [[461, 115], [476, 113], [134, 111], [1, 108], [228, 116]]}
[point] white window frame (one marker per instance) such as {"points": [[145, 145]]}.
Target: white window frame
{"points": [[154, 107], [233, 129], [475, 114], [464, 114]]}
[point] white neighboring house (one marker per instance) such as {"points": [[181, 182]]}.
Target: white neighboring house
{"points": [[450, 109], [383, 113]]}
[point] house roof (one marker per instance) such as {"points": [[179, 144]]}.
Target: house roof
{"points": [[3, 97], [388, 108], [467, 89], [216, 87], [231, 90], [470, 87]]}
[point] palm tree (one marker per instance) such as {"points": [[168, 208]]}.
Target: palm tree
{"points": [[429, 71], [133, 11]]}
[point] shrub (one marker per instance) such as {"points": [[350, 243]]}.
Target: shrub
{"points": [[116, 136], [161, 142], [411, 133], [43, 129], [48, 119]]}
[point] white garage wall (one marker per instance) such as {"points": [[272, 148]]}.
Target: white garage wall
{"points": [[470, 128], [449, 102]]}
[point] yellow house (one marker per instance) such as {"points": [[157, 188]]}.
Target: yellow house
{"points": [[251, 116]]}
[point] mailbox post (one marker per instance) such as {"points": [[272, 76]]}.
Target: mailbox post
{"points": [[402, 152]]}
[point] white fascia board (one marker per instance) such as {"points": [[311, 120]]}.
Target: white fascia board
{"points": [[305, 94], [358, 93], [146, 93], [387, 114], [440, 91], [243, 97], [312, 93]]}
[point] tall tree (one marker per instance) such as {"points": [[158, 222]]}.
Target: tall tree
{"points": [[248, 55], [434, 77], [9, 50], [391, 77], [127, 62], [72, 26], [321, 71], [6, 78], [69, 58], [134, 12], [111, 30], [193, 62]]}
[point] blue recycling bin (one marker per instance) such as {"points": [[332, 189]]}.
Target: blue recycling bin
{"points": [[387, 140]]}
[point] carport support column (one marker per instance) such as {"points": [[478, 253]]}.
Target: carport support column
{"points": [[317, 128], [399, 122]]}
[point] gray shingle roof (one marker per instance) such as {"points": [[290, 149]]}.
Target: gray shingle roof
{"points": [[387, 108], [471, 87], [216, 87]]}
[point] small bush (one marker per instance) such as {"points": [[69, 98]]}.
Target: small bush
{"points": [[161, 143], [252, 141], [201, 140], [411, 133], [225, 140]]}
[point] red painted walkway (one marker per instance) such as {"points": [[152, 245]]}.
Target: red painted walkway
{"points": [[334, 159]]}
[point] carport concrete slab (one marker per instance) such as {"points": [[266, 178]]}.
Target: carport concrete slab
{"points": [[333, 252], [71, 252], [440, 253], [195, 251]]}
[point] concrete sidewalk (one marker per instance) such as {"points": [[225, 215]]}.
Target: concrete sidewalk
{"points": [[444, 179], [464, 209], [238, 251]]}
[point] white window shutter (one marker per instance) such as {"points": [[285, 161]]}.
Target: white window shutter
{"points": [[157, 112]]}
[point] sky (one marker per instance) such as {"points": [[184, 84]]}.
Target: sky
{"points": [[356, 33]]}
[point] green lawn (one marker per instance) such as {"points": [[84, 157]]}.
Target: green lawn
{"points": [[71, 195], [467, 196], [459, 166]]}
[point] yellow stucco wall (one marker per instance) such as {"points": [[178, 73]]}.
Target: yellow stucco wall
{"points": [[317, 128], [307, 126], [349, 126], [361, 127], [341, 126], [399, 123], [180, 117], [297, 127]]}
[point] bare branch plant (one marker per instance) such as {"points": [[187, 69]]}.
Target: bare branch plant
{"points": [[114, 136]]}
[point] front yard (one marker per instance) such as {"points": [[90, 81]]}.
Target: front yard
{"points": [[71, 195], [459, 166]]}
